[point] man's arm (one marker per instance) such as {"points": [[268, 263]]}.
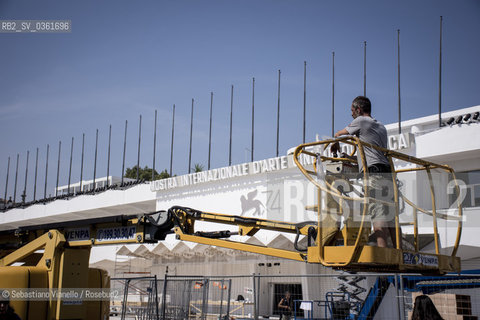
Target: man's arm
{"points": [[342, 132], [352, 129], [280, 305], [336, 146]]}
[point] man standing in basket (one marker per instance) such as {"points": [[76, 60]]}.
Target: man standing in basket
{"points": [[369, 130]]}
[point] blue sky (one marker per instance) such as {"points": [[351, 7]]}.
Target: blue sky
{"points": [[126, 58]]}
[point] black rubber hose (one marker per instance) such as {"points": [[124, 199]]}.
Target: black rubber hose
{"points": [[295, 243]]}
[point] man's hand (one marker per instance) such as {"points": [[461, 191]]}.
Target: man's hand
{"points": [[335, 148]]}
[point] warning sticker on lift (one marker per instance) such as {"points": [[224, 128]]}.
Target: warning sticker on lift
{"points": [[115, 234], [420, 259]]}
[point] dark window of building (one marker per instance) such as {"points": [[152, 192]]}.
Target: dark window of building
{"points": [[295, 290]]}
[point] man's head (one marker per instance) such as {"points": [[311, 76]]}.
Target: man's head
{"points": [[361, 106], [287, 294]]}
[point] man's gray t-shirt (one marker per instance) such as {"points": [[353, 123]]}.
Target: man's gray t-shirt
{"points": [[371, 131]]}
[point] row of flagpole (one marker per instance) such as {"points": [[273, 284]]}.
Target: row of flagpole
{"points": [[210, 130]]}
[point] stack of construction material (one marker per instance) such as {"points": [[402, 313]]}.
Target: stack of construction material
{"points": [[450, 306]]}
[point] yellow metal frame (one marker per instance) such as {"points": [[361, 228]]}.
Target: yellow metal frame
{"points": [[355, 252], [66, 263], [354, 257], [58, 263]]}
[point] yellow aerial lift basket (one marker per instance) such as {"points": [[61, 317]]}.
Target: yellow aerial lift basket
{"points": [[356, 253]]}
